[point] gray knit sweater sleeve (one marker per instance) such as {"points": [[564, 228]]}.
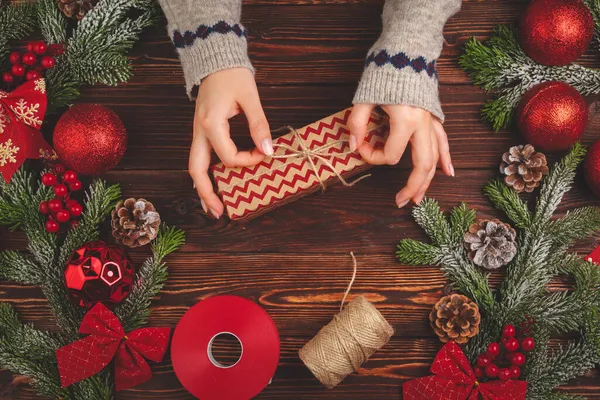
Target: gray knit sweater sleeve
{"points": [[400, 67], [208, 36]]}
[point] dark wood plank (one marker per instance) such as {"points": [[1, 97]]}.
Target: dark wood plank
{"points": [[362, 218]]}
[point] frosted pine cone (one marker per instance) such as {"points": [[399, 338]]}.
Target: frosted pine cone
{"points": [[491, 244], [455, 317], [135, 222], [524, 168]]}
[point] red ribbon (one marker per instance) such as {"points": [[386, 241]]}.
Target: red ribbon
{"points": [[454, 379], [21, 115], [107, 340]]}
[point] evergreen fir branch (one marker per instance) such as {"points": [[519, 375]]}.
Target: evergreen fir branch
{"points": [[51, 21], [412, 252], [429, 216], [16, 20], [576, 224], [100, 201], [507, 200], [556, 184], [62, 87], [18, 267], [461, 219], [97, 387], [150, 278]]}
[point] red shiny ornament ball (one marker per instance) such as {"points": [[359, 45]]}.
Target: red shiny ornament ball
{"points": [[552, 116], [40, 47], [90, 139], [479, 372], [527, 344], [518, 359], [509, 331], [511, 344], [69, 176], [74, 223], [49, 179], [29, 58], [504, 374], [491, 371], [63, 216], [15, 57], [32, 74], [484, 360], [98, 272], [493, 350], [52, 226], [18, 70], [60, 190], [515, 372], [8, 77], [75, 210], [75, 186], [29, 46], [55, 205], [48, 62], [556, 32], [44, 209]]}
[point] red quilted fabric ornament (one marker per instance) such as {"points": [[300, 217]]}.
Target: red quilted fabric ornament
{"points": [[99, 272], [107, 341], [90, 139], [552, 116], [454, 379], [592, 168], [556, 32]]}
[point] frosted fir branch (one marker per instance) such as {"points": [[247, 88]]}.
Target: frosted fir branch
{"points": [[51, 21], [413, 252], [150, 279], [100, 201], [18, 267], [576, 224], [556, 184], [429, 216]]}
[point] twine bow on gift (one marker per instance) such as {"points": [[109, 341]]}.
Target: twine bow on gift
{"points": [[320, 154], [107, 340], [21, 115], [454, 379]]}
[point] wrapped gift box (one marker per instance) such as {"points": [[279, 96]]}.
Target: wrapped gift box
{"points": [[289, 175]]}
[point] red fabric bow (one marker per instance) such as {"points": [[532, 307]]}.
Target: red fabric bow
{"points": [[21, 114], [107, 340], [454, 379]]}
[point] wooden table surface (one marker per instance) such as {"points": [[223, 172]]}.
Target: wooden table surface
{"points": [[294, 260]]}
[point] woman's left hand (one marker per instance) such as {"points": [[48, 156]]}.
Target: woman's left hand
{"points": [[426, 135]]}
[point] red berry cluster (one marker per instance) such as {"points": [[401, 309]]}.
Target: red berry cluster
{"points": [[25, 64], [61, 209], [492, 365]]}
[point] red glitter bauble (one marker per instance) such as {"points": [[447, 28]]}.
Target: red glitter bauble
{"points": [[592, 168], [552, 116], [99, 272], [556, 32], [90, 139]]}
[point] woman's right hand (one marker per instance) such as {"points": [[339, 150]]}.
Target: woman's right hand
{"points": [[221, 96]]}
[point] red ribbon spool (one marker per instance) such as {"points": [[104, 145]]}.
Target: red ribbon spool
{"points": [[200, 373]]}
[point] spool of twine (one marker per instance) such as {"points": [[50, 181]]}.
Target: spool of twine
{"points": [[344, 344]]}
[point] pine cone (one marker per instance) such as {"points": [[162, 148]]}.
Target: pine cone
{"points": [[490, 243], [523, 167], [455, 317], [135, 222], [76, 8]]}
